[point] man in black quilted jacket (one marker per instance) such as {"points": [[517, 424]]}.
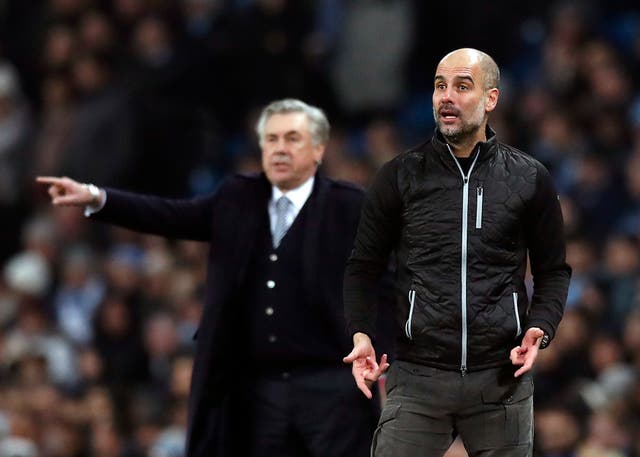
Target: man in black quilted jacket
{"points": [[461, 212]]}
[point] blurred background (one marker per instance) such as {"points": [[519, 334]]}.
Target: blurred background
{"points": [[160, 96]]}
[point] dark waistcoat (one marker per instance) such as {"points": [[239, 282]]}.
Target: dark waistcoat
{"points": [[285, 329]]}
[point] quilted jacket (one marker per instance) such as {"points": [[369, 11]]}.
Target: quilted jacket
{"points": [[460, 240]]}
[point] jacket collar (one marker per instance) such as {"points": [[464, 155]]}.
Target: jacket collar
{"points": [[487, 148]]}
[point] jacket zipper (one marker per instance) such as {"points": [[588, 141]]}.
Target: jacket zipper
{"points": [[463, 263], [479, 207], [515, 310], [407, 325]]}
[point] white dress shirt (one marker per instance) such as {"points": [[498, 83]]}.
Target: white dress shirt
{"points": [[298, 198]]}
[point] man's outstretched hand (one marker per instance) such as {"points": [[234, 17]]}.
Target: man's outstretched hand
{"points": [[364, 367], [67, 192], [527, 353]]}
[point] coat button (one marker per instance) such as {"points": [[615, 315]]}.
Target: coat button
{"points": [[272, 338], [273, 257], [269, 311], [271, 284]]}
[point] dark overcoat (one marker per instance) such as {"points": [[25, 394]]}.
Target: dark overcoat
{"points": [[229, 220]]}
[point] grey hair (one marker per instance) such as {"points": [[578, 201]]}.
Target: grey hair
{"points": [[490, 70], [318, 123]]}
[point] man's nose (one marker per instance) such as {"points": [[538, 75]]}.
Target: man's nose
{"points": [[280, 145], [446, 95]]}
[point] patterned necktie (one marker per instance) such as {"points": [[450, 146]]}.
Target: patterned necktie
{"points": [[282, 208]]}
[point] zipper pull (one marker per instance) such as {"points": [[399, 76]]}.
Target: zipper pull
{"points": [[480, 190]]}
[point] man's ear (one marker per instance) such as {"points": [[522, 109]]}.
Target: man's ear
{"points": [[318, 153], [492, 99]]}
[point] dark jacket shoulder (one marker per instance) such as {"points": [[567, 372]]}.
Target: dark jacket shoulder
{"points": [[523, 158], [343, 190], [242, 181]]}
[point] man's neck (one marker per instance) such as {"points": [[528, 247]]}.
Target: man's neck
{"points": [[463, 152], [297, 195]]}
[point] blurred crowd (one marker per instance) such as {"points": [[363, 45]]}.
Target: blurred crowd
{"points": [[160, 96]]}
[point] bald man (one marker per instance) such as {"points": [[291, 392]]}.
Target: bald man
{"points": [[461, 212]]}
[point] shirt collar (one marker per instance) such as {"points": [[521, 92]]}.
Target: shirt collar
{"points": [[440, 143], [297, 196]]}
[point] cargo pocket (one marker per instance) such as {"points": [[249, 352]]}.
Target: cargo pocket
{"points": [[509, 414], [389, 414]]}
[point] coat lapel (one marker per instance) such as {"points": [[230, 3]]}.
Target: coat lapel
{"points": [[317, 204], [254, 212]]}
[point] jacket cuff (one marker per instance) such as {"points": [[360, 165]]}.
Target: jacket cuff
{"points": [[362, 327], [542, 325]]}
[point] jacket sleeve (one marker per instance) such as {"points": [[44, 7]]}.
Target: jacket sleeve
{"points": [[544, 230], [376, 236], [173, 218]]}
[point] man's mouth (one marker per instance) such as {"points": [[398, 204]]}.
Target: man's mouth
{"points": [[448, 115], [280, 161], [280, 165]]}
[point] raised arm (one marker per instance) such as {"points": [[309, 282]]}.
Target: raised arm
{"points": [[173, 218]]}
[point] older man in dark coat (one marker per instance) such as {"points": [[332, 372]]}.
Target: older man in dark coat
{"points": [[268, 378]]}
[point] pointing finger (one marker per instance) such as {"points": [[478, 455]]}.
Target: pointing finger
{"points": [[48, 179]]}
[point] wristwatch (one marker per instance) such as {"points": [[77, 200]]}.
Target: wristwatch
{"points": [[95, 193], [544, 341]]}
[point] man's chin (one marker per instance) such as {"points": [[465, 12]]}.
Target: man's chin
{"points": [[449, 131], [283, 183], [276, 175], [451, 134], [457, 134]]}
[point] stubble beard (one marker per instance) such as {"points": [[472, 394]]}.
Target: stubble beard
{"points": [[458, 134]]}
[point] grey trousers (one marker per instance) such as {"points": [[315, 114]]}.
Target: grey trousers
{"points": [[427, 408]]}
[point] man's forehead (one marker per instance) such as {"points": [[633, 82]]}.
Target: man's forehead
{"points": [[456, 69], [287, 121], [446, 72], [462, 63]]}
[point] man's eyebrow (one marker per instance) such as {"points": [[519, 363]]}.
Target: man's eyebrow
{"points": [[288, 132], [457, 77]]}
